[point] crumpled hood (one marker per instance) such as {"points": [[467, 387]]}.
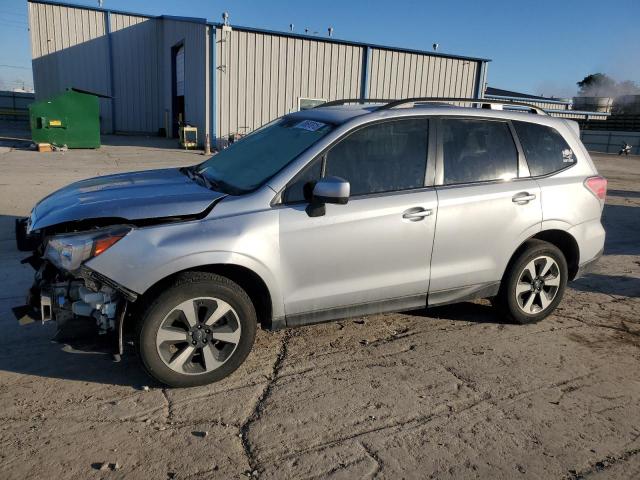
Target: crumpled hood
{"points": [[130, 196]]}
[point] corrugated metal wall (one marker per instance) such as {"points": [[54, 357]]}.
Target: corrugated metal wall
{"points": [[541, 103], [69, 48], [136, 79], [260, 77], [577, 115], [394, 74], [549, 105], [194, 37]]}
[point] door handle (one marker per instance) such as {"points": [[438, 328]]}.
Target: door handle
{"points": [[416, 214], [523, 197]]}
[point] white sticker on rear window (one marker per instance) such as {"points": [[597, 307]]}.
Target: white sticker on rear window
{"points": [[567, 155], [309, 125]]}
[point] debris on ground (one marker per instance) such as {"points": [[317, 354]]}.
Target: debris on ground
{"points": [[105, 466]]}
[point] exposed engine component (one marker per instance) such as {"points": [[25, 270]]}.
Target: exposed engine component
{"points": [[70, 298]]}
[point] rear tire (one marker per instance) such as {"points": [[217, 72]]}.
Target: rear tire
{"points": [[534, 283], [197, 331]]}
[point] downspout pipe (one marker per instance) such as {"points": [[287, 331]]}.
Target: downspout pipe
{"points": [[107, 22], [213, 101], [364, 79], [481, 79]]}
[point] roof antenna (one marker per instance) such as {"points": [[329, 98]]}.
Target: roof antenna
{"points": [[435, 47], [225, 19], [330, 30]]}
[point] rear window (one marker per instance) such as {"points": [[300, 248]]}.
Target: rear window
{"points": [[544, 148]]}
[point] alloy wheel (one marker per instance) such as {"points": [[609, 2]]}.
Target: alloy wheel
{"points": [[198, 336], [538, 285]]}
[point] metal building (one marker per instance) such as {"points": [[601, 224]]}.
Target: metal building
{"points": [[556, 107], [222, 79]]}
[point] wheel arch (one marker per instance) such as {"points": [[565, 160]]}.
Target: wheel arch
{"points": [[252, 283], [561, 239], [567, 244]]}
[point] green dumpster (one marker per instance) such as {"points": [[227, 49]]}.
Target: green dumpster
{"points": [[71, 118]]}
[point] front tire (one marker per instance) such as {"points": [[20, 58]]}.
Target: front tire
{"points": [[198, 331], [534, 283]]}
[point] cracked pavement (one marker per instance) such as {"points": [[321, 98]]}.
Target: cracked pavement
{"points": [[448, 392]]}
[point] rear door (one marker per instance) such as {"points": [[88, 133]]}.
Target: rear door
{"points": [[375, 248], [487, 206]]}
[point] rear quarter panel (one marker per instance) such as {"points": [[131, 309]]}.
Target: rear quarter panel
{"points": [[568, 205]]}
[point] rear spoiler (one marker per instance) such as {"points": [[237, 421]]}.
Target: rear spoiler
{"points": [[573, 125]]}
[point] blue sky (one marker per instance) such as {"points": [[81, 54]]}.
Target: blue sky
{"points": [[537, 46]]}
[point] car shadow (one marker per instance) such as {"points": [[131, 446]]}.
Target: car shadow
{"points": [[463, 312], [29, 349], [141, 141], [619, 285], [622, 224], [89, 359], [623, 193], [64, 361], [15, 134]]}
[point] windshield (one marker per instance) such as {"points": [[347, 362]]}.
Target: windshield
{"points": [[250, 162]]}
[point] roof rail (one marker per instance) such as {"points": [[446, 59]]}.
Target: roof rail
{"points": [[344, 101], [485, 103]]}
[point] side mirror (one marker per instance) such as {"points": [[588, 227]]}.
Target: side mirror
{"points": [[334, 190], [331, 190]]}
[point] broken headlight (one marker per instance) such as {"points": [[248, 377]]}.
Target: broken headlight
{"points": [[70, 251]]}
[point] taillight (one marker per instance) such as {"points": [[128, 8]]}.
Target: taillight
{"points": [[597, 186]]}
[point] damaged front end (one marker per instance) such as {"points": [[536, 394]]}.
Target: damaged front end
{"points": [[69, 227], [64, 289]]}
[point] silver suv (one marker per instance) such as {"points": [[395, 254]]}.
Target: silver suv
{"points": [[343, 210]]}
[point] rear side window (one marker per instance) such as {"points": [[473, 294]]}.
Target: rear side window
{"points": [[383, 157], [544, 148], [477, 151]]}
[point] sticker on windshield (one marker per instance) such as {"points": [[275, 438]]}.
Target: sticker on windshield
{"points": [[309, 125]]}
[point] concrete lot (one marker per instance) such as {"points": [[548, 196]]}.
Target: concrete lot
{"points": [[446, 393]]}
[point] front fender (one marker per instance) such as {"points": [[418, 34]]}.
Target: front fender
{"points": [[147, 255]]}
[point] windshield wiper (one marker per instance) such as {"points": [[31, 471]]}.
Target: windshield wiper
{"points": [[199, 177], [207, 183], [211, 183]]}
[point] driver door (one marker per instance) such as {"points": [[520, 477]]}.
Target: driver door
{"points": [[372, 254]]}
